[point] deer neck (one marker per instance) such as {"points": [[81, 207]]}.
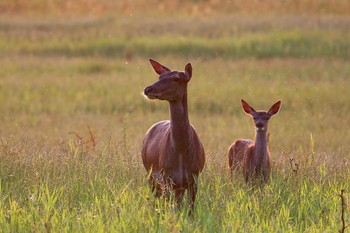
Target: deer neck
{"points": [[261, 154], [179, 124]]}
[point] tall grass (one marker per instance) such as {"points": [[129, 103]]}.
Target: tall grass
{"points": [[73, 188], [73, 119]]}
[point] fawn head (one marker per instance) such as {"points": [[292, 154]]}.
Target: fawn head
{"points": [[261, 118], [171, 85]]}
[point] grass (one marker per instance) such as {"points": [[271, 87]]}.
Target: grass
{"points": [[73, 119], [193, 7], [273, 45], [97, 191], [321, 37]]}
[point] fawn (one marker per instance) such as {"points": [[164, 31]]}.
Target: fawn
{"points": [[253, 156]]}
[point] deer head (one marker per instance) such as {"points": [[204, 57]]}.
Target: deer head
{"points": [[171, 85], [261, 118]]}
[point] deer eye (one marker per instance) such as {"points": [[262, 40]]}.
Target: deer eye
{"points": [[176, 79]]}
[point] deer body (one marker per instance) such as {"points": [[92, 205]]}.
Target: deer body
{"points": [[171, 149], [253, 156]]}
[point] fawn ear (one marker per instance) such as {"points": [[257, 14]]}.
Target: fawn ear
{"points": [[275, 108], [246, 107], [188, 71], [158, 68]]}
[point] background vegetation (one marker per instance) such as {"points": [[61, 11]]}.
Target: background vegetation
{"points": [[73, 117]]}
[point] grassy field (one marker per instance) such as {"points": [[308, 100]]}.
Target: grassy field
{"points": [[73, 117]]}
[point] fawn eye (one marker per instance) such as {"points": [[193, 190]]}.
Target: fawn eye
{"points": [[176, 79]]}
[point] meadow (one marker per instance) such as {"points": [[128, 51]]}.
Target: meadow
{"points": [[73, 117]]}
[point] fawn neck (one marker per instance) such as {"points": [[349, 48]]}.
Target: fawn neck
{"points": [[179, 123], [261, 154]]}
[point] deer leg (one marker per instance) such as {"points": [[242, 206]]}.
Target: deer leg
{"points": [[231, 174], [157, 185], [179, 194], [192, 192], [234, 168], [266, 176], [248, 175]]}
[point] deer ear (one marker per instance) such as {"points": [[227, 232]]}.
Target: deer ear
{"points": [[188, 71], [246, 107], [275, 108], [158, 68]]}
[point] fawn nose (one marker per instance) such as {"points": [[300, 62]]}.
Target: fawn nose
{"points": [[148, 90], [259, 125]]}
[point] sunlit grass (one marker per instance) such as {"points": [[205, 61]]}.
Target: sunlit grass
{"points": [[192, 7], [93, 191], [73, 119], [278, 44]]}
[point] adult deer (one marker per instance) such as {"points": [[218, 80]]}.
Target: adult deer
{"points": [[253, 157], [172, 151]]}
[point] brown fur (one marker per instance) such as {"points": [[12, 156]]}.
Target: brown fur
{"points": [[171, 150], [253, 157], [241, 156]]}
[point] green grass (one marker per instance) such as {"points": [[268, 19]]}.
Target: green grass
{"points": [[206, 38], [85, 190], [176, 7], [278, 44], [58, 79], [282, 44]]}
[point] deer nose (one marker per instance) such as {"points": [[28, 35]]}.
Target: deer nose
{"points": [[259, 125], [148, 90]]}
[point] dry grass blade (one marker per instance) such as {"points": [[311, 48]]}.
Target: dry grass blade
{"points": [[92, 137], [80, 138], [293, 165], [91, 141]]}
